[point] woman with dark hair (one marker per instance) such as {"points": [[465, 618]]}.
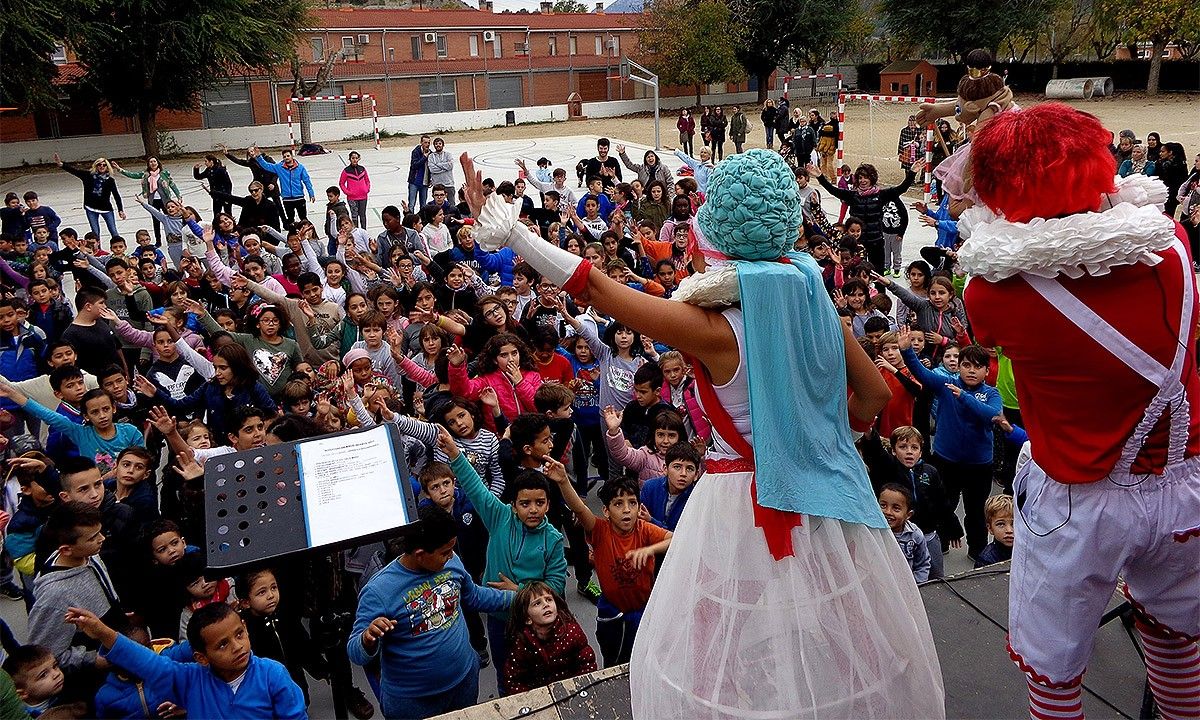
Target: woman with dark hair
{"points": [[866, 200], [157, 188], [718, 124], [233, 382], [218, 179], [273, 356], [686, 125], [492, 318], [650, 170], [654, 205], [1153, 146], [1172, 170]]}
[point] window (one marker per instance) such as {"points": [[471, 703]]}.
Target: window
{"points": [[416, 47], [599, 45], [441, 46], [347, 42], [615, 44], [497, 49], [552, 46], [60, 54], [572, 43], [473, 44], [895, 87], [438, 95], [318, 49]]}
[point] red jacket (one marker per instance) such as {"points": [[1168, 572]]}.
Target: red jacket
{"points": [[533, 662], [1079, 402]]}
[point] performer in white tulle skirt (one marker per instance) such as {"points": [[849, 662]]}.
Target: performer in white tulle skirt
{"points": [[784, 594]]}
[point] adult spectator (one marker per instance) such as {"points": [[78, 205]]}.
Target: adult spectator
{"points": [[768, 120], [356, 185], [650, 170], [1136, 164], [783, 121], [908, 147], [717, 126], [293, 181], [268, 178], [602, 166], [418, 189], [218, 179], [738, 127], [99, 194], [439, 167], [686, 125], [257, 208], [157, 187]]}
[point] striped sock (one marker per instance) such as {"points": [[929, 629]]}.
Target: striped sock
{"points": [[1173, 668], [1046, 703]]}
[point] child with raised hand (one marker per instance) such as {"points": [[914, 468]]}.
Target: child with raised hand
{"points": [[905, 390], [962, 447], [227, 679], [506, 365], [999, 513], [465, 421], [903, 466], [896, 502], [522, 544], [410, 616], [663, 498], [546, 643], [648, 461], [624, 546]]}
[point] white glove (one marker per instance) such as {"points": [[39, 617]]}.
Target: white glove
{"points": [[499, 225]]}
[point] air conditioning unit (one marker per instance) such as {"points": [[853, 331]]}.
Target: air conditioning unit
{"points": [[430, 37], [489, 35], [364, 39]]}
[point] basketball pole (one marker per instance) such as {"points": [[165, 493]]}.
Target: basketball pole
{"points": [[645, 78]]}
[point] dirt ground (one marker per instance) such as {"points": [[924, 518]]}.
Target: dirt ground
{"points": [[872, 129]]}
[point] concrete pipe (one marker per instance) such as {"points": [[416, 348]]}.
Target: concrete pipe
{"points": [[1073, 89], [1102, 86]]}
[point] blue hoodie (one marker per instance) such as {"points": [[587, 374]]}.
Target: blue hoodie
{"points": [[964, 423], [124, 697]]}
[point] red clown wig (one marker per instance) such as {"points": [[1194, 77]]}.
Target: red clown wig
{"points": [[1048, 161]]}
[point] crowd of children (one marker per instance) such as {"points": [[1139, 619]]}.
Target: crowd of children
{"points": [[515, 400]]}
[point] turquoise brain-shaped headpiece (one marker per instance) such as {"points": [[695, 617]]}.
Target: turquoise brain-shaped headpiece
{"points": [[752, 208]]}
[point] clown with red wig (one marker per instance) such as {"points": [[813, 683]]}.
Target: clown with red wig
{"points": [[1089, 289]]}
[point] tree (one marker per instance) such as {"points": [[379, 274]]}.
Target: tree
{"points": [[1066, 29], [691, 42], [770, 30], [28, 36], [146, 56], [1162, 23], [569, 6], [957, 28], [306, 88]]}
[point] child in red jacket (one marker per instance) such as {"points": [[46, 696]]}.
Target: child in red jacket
{"points": [[546, 644]]}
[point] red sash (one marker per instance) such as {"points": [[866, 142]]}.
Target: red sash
{"points": [[776, 524]]}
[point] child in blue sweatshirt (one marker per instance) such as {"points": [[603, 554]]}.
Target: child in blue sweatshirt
{"points": [[665, 497], [410, 614], [226, 681], [962, 447]]}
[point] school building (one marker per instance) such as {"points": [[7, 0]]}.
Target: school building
{"points": [[411, 61]]}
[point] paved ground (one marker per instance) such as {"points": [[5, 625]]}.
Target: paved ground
{"points": [[388, 169]]}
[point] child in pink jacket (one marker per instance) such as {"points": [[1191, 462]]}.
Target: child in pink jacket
{"points": [[647, 462], [505, 365]]}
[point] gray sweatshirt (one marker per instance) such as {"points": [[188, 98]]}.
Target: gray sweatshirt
{"points": [[87, 586]]}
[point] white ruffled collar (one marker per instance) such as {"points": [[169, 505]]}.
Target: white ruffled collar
{"points": [[1131, 229]]}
